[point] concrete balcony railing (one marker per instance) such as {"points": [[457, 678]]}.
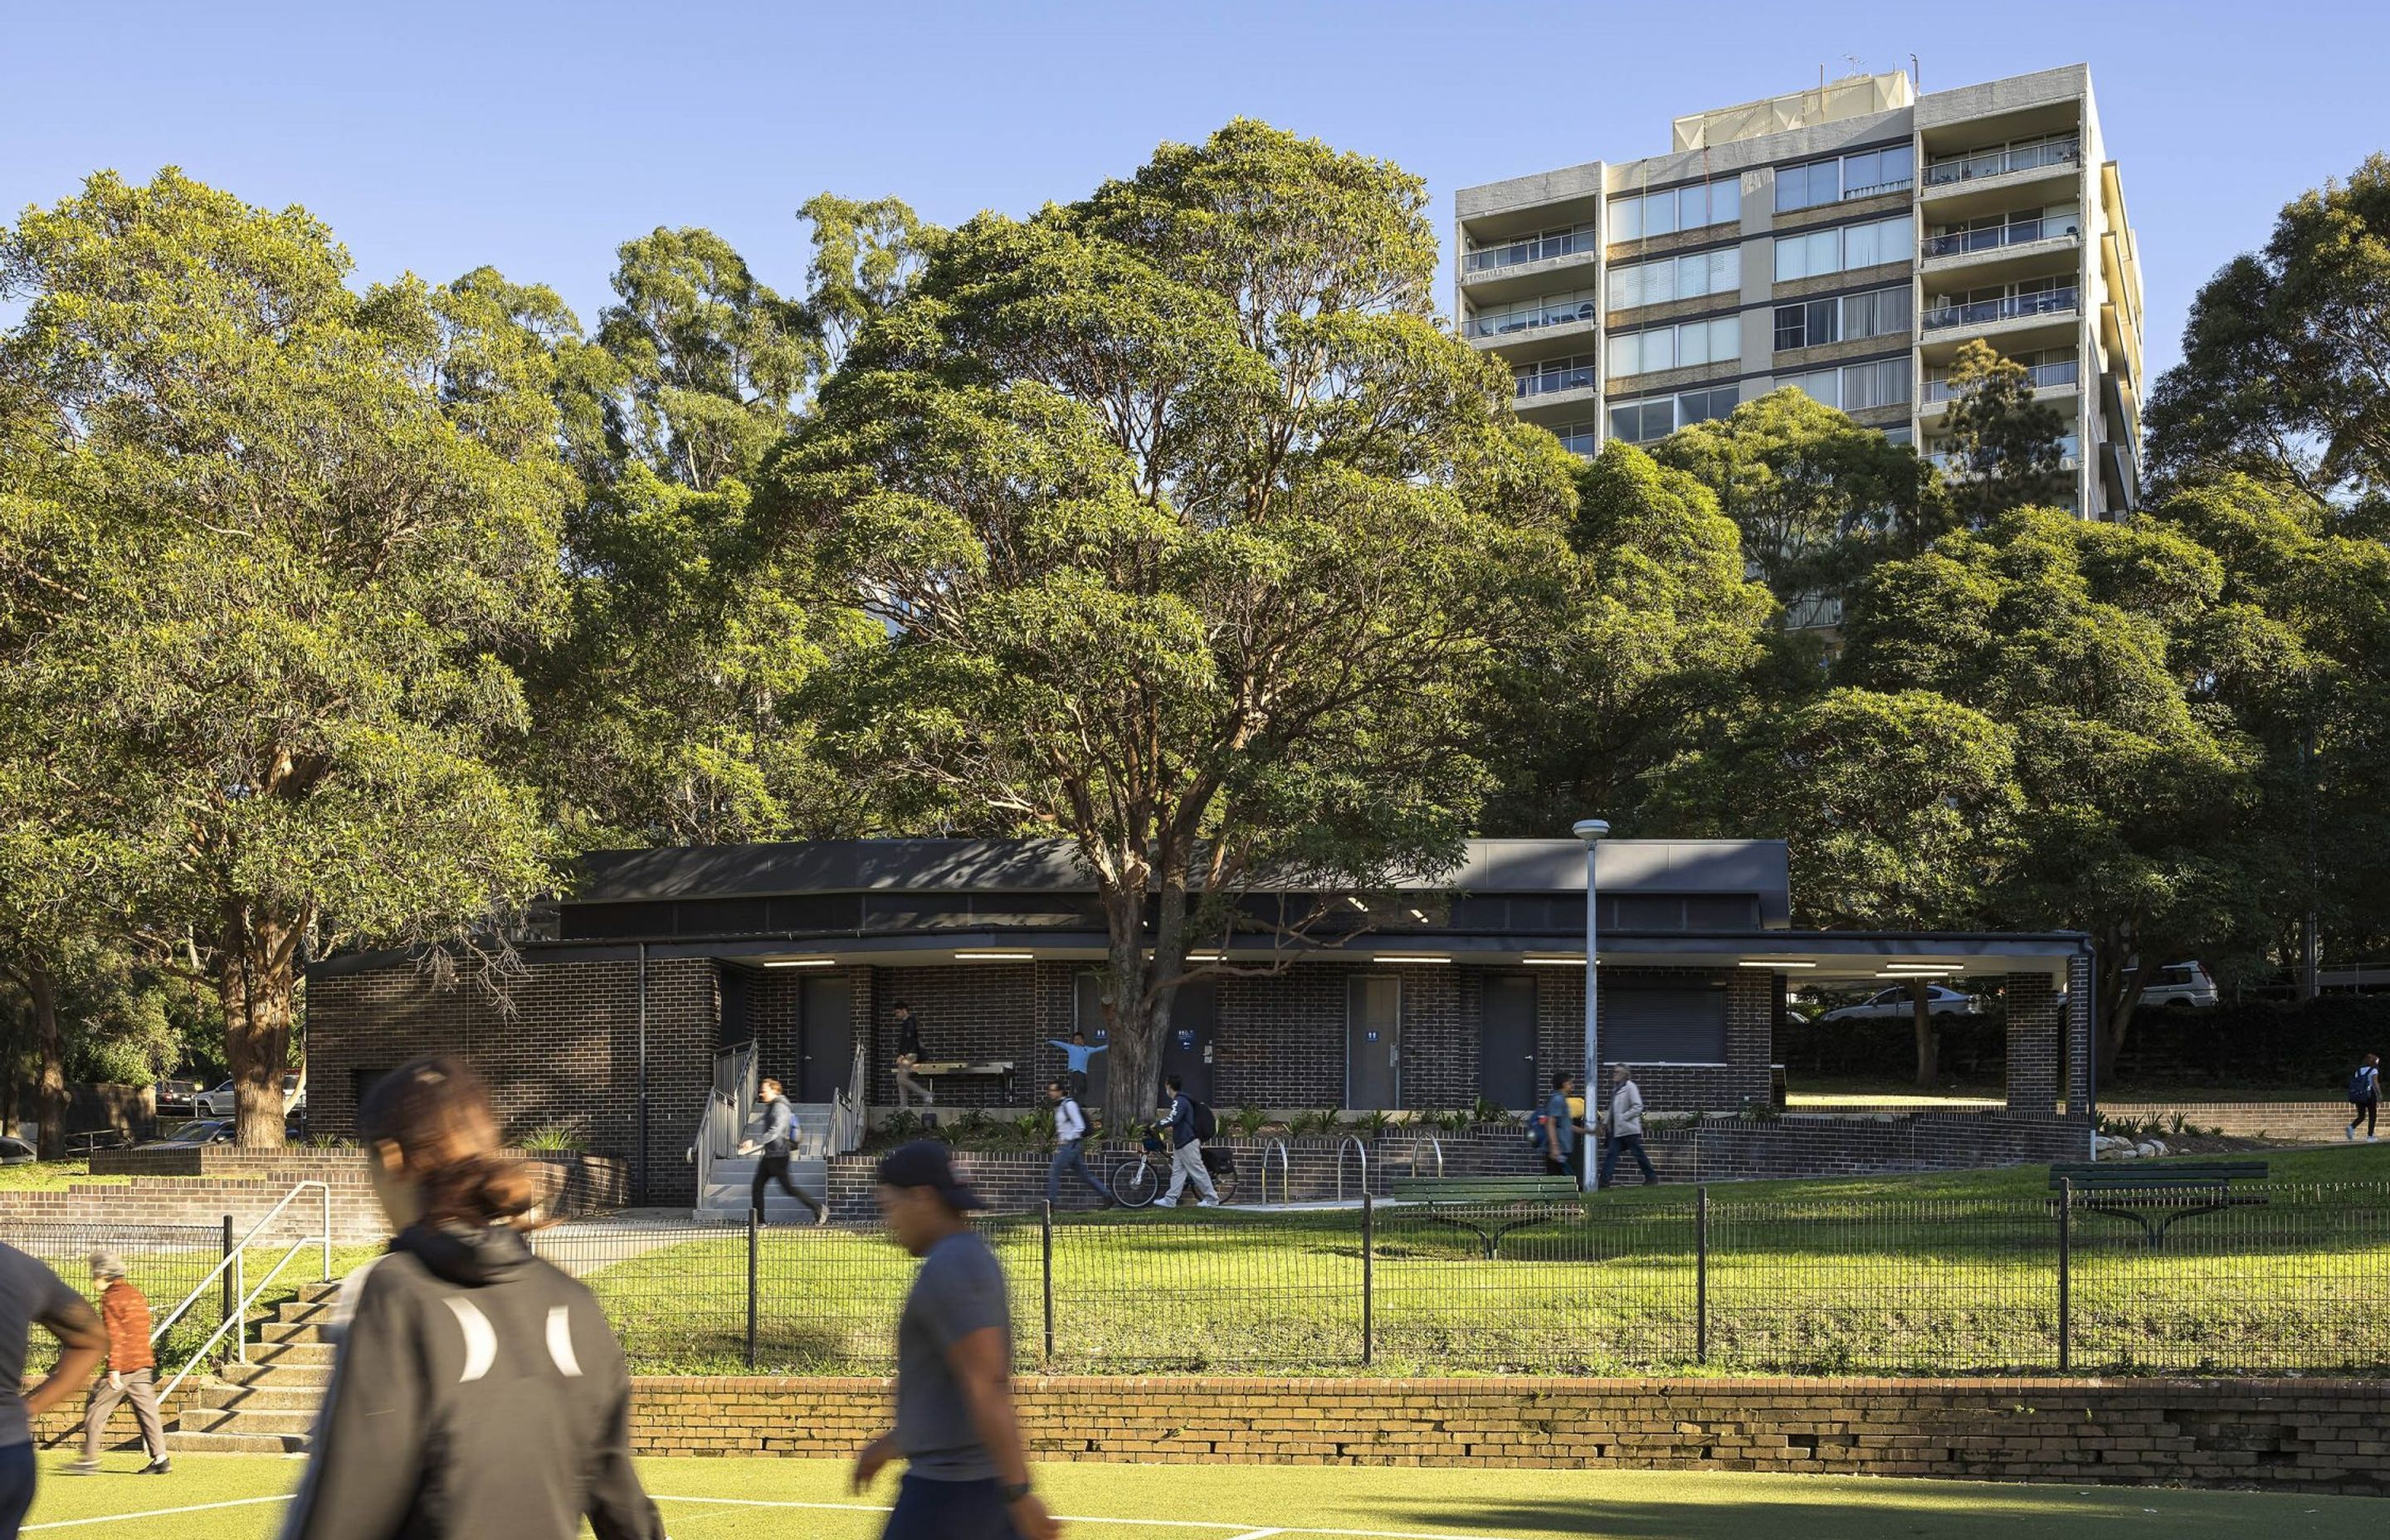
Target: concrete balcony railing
{"points": [[1559, 311], [1985, 164], [2064, 372], [2023, 232], [2008, 307], [1527, 249]]}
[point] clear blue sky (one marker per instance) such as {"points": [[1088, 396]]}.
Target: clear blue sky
{"points": [[435, 137]]}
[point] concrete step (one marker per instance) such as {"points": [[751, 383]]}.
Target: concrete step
{"points": [[276, 1375], [308, 1352], [291, 1312], [807, 1171], [186, 1443], [295, 1331], [212, 1420], [277, 1396]]}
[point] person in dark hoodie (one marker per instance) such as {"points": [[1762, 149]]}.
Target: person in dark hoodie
{"points": [[475, 1389]]}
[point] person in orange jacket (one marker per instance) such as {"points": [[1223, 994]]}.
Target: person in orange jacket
{"points": [[125, 1311]]}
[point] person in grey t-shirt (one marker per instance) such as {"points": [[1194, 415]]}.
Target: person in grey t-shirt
{"points": [[967, 1472], [30, 1292]]}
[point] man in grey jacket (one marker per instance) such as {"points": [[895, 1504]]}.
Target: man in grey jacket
{"points": [[778, 1139], [1625, 1128]]}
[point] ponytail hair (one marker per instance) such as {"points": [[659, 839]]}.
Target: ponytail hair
{"points": [[437, 1112]]}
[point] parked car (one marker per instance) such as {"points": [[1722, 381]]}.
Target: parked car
{"points": [[175, 1094], [219, 1103], [198, 1131], [2183, 986], [1895, 1002], [14, 1151]]}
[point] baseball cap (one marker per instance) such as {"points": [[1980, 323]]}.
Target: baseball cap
{"points": [[927, 1164]]}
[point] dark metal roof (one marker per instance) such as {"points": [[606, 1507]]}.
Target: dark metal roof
{"points": [[1756, 867]]}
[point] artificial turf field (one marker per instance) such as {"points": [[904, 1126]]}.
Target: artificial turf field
{"points": [[236, 1497]]}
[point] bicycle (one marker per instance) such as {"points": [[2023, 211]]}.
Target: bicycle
{"points": [[1138, 1181]]}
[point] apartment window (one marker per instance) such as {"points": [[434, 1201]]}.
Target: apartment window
{"points": [[1685, 277], [1809, 325], [1861, 175], [1676, 347], [1883, 384], [1578, 438], [1857, 387], [1635, 215], [1656, 417], [1836, 251], [1897, 433], [1878, 312]]}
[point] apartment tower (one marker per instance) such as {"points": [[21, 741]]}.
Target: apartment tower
{"points": [[1847, 240]]}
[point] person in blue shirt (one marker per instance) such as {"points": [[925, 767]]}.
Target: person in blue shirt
{"points": [[2365, 1095], [1559, 1128], [1079, 1057]]}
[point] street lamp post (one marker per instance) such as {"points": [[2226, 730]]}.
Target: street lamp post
{"points": [[1592, 830]]}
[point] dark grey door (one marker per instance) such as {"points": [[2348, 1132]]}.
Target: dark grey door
{"points": [[825, 1038], [1087, 1016], [1187, 1050], [1373, 1043], [1506, 1046]]}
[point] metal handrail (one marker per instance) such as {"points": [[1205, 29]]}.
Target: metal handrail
{"points": [[1353, 1142], [236, 1261], [1285, 1171], [1432, 1142]]}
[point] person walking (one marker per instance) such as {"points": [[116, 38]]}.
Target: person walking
{"points": [[966, 1475], [1070, 1131], [1185, 1151], [476, 1389], [1625, 1128], [30, 1292], [1559, 1128], [909, 1052], [1077, 1056], [125, 1312], [778, 1143], [2365, 1095]]}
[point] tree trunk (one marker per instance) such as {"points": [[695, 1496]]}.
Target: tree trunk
{"points": [[1928, 1048], [258, 985], [2118, 992], [50, 1089]]}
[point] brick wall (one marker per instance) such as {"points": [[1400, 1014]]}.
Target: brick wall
{"points": [[568, 1054], [2313, 1436], [2035, 1056], [972, 1011], [2245, 1120]]}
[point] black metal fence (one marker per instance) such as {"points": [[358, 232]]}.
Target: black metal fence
{"points": [[165, 1262], [2290, 1278]]}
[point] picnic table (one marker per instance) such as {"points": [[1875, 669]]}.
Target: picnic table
{"points": [[1490, 1207], [2158, 1196]]}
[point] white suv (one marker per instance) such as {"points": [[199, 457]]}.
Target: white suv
{"points": [[2180, 984], [219, 1102]]}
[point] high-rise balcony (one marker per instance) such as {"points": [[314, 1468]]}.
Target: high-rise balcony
{"points": [[1994, 237], [2006, 315], [2058, 375], [1519, 320], [2002, 161], [1538, 247]]}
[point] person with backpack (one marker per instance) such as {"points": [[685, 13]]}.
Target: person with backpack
{"points": [[1069, 1134], [777, 1141], [1553, 1130], [1190, 1123], [2365, 1095], [476, 1388]]}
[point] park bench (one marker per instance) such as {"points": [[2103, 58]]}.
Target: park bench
{"points": [[1490, 1207], [2155, 1197]]}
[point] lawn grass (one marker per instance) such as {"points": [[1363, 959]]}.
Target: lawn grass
{"points": [[1953, 1273], [53, 1176], [769, 1500]]}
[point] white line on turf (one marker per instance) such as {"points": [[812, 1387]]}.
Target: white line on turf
{"points": [[157, 1513], [1244, 1532], [1261, 1534]]}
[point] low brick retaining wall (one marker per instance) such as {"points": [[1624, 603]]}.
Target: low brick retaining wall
{"points": [[2288, 1436], [2243, 1119], [201, 1185], [61, 1426]]}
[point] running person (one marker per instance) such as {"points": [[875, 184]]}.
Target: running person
{"points": [[779, 1135], [966, 1474], [30, 1292], [475, 1389]]}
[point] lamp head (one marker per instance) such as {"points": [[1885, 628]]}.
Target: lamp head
{"points": [[1591, 829]]}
